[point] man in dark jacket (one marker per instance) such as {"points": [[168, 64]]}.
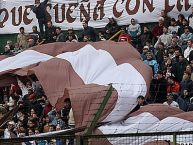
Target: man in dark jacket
{"points": [[89, 31], [158, 88], [41, 14]]}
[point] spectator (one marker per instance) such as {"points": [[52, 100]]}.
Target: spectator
{"points": [[145, 36], [134, 30], [186, 83], [184, 24], [140, 102], [101, 36], [188, 49], [50, 33], [151, 62], [173, 26], [167, 19], [71, 38], [160, 53], [190, 19], [31, 42], [158, 29], [180, 20], [65, 110], [9, 131], [124, 37], [179, 67], [186, 35], [41, 14], [59, 35], [173, 86], [158, 88], [71, 32], [22, 38], [184, 100], [35, 35], [111, 28], [165, 38], [88, 32], [170, 101]]}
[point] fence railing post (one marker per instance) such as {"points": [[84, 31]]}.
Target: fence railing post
{"points": [[174, 139]]}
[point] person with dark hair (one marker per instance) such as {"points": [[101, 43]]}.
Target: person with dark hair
{"points": [[165, 38], [190, 19], [59, 35], [173, 86], [35, 35], [158, 88], [22, 38], [170, 101], [167, 19], [145, 36], [180, 19], [41, 14], [89, 31], [186, 83], [50, 33], [111, 28], [173, 26], [140, 102]]}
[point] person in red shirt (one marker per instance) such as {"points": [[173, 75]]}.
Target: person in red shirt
{"points": [[173, 86], [124, 37]]}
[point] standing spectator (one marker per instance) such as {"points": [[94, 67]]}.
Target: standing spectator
{"points": [[134, 30], [50, 33], [158, 88], [22, 38], [41, 14], [167, 19], [186, 83], [89, 31], [184, 100], [179, 67], [165, 38], [59, 35], [158, 29], [151, 62], [145, 36], [160, 53], [190, 19], [111, 28], [170, 101]]}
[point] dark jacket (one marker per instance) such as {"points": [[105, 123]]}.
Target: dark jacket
{"points": [[40, 11], [90, 31]]}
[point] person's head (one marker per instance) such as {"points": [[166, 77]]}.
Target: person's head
{"points": [[21, 29], [58, 30], [163, 13], [67, 103], [28, 84], [31, 123], [70, 30], [32, 97], [181, 58], [37, 131], [148, 43], [30, 131], [31, 42], [185, 92], [186, 75], [34, 29], [49, 24], [161, 21], [189, 68], [181, 17], [171, 80], [85, 24], [170, 97], [165, 57], [133, 22], [189, 43], [173, 22], [177, 52], [145, 49], [165, 29], [161, 45], [186, 29], [145, 29], [185, 22], [191, 64], [140, 100], [174, 41], [52, 128], [10, 125], [47, 119], [149, 55], [86, 38], [111, 20], [159, 75]]}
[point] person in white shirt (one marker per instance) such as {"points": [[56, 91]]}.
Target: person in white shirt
{"points": [[170, 101], [165, 38], [188, 49]]}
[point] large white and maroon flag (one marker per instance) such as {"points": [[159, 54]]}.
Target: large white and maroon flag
{"points": [[83, 72]]}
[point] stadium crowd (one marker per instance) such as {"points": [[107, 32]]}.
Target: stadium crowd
{"points": [[166, 48]]}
